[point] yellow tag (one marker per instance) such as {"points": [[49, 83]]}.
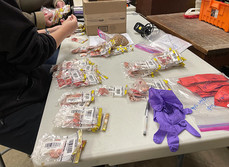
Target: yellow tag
{"points": [[92, 97], [182, 64], [105, 76], [182, 58], [167, 84], [152, 75], [77, 150], [98, 121]]}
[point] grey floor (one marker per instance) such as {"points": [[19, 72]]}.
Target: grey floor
{"points": [[211, 158]]}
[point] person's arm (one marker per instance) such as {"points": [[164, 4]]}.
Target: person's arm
{"points": [[30, 10], [60, 32], [22, 46], [37, 18], [67, 28], [49, 30]]}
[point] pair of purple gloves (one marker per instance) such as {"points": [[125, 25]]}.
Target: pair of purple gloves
{"points": [[170, 114]]}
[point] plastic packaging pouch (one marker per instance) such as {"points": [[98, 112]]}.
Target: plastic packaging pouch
{"points": [[212, 86], [51, 148], [170, 59], [78, 73], [159, 84], [115, 91], [141, 68], [202, 78], [84, 99], [107, 49], [58, 13], [153, 50], [159, 42], [118, 91], [206, 114], [204, 84], [86, 118], [92, 78], [82, 49], [222, 97], [63, 78], [116, 39], [75, 64], [139, 90]]}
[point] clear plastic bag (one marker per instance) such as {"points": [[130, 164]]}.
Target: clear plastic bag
{"points": [[159, 42], [139, 90], [77, 73], [148, 68], [57, 13], [51, 148], [141, 68], [72, 98], [170, 59], [206, 114], [113, 45], [87, 118], [115, 91]]}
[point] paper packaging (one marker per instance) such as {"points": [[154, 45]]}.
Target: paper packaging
{"points": [[106, 15]]}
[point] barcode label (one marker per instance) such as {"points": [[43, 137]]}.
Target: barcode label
{"points": [[86, 97], [52, 145], [174, 56], [152, 65], [76, 111], [88, 115], [70, 146], [91, 79], [88, 68], [75, 75], [142, 65], [158, 85], [118, 91], [74, 100]]}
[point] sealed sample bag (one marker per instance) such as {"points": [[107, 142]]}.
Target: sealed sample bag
{"points": [[86, 118], [51, 148]]}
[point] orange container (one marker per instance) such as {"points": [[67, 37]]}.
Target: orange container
{"points": [[216, 13]]}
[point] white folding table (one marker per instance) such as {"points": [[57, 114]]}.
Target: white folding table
{"points": [[123, 142]]}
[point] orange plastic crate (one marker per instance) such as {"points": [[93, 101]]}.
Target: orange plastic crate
{"points": [[216, 13]]}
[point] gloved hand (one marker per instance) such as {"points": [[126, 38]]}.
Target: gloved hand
{"points": [[169, 113]]}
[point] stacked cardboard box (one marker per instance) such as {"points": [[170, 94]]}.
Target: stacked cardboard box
{"points": [[106, 15]]}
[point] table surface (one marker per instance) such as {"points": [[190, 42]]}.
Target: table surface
{"points": [[205, 37], [123, 142]]}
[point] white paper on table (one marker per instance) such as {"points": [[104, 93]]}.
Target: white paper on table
{"points": [[95, 40]]}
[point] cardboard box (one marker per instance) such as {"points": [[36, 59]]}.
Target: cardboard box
{"points": [[106, 15]]}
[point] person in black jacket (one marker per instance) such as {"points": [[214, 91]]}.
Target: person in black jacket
{"points": [[24, 79]]}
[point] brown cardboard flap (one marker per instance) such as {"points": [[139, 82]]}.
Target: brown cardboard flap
{"points": [[104, 6], [101, 19]]}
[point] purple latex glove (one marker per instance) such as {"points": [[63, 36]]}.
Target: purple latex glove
{"points": [[170, 114]]}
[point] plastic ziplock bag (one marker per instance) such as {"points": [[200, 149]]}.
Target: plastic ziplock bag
{"points": [[51, 148], [57, 13], [77, 73], [87, 118], [71, 98], [206, 114]]}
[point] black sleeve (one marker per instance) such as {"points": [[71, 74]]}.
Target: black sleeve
{"points": [[21, 44]]}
